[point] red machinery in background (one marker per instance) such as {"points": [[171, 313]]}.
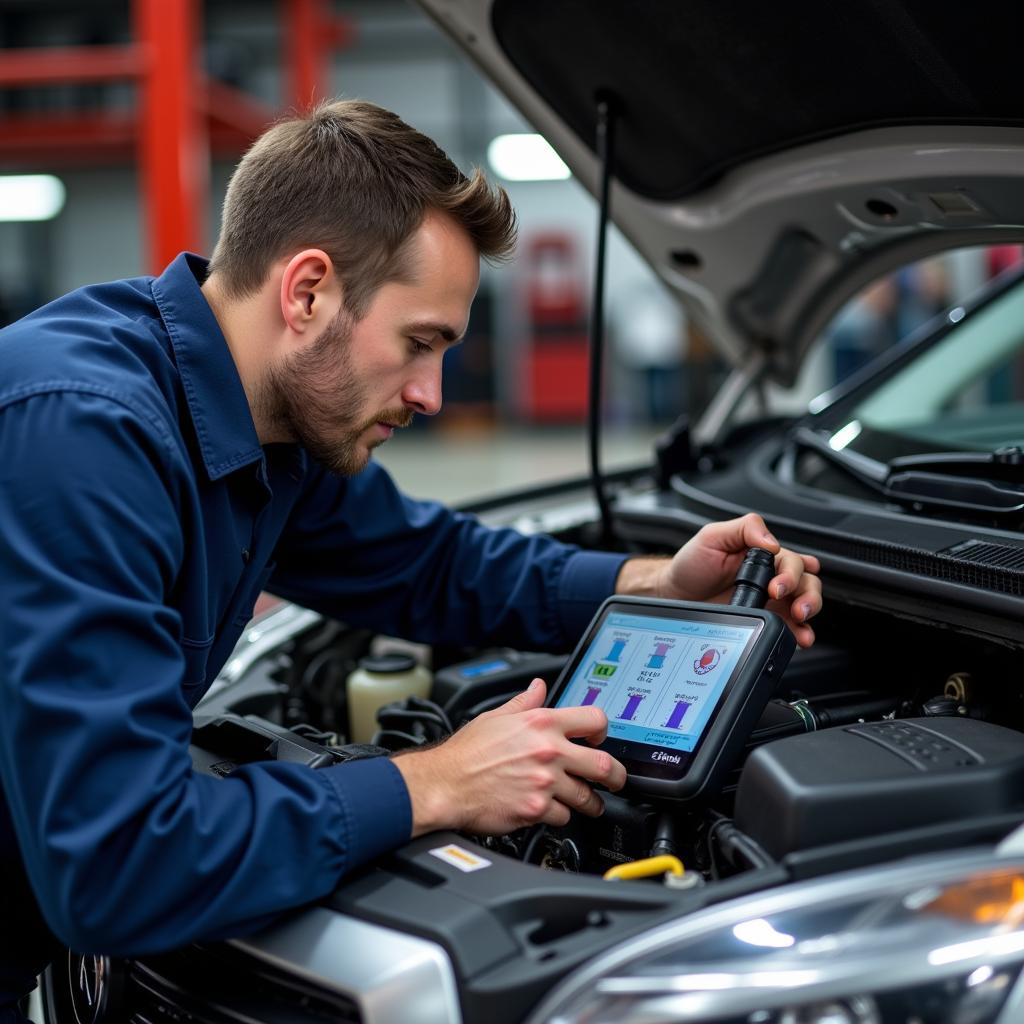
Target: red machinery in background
{"points": [[181, 114], [555, 356]]}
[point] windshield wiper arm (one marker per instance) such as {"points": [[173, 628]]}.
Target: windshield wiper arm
{"points": [[966, 481], [1005, 463]]}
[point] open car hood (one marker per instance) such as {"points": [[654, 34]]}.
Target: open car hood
{"points": [[770, 160]]}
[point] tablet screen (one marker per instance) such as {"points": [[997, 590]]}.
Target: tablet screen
{"points": [[658, 679]]}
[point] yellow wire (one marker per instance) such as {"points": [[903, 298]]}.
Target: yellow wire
{"points": [[646, 868]]}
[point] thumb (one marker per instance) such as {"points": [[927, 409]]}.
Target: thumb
{"points": [[736, 535], [532, 697]]}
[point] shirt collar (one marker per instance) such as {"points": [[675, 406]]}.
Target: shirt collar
{"points": [[209, 377]]}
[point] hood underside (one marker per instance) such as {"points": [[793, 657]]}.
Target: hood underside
{"points": [[771, 159]]}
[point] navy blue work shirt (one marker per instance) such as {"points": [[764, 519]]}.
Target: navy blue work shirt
{"points": [[139, 520]]}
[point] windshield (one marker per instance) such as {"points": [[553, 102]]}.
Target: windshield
{"points": [[966, 392], [937, 425], [963, 392]]}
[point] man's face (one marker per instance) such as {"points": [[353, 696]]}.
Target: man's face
{"points": [[359, 380]]}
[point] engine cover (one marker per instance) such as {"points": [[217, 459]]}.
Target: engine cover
{"points": [[874, 778]]}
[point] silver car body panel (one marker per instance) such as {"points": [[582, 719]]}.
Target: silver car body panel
{"points": [[395, 978]]}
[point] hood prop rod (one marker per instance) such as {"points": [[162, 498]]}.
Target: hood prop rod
{"points": [[605, 151]]}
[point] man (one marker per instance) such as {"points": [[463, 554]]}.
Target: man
{"points": [[169, 447]]}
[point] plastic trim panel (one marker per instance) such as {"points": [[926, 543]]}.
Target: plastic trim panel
{"points": [[395, 978]]}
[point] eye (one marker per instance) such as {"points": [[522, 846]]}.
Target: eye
{"points": [[419, 347]]}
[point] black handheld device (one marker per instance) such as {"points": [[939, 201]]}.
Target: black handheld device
{"points": [[682, 683]]}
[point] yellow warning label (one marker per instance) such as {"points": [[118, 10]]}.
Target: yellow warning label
{"points": [[461, 858]]}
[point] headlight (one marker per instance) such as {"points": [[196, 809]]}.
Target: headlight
{"points": [[937, 941]]}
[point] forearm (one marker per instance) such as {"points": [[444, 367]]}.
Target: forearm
{"points": [[363, 552], [642, 577]]}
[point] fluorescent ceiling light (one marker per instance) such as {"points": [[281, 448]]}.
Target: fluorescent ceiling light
{"points": [[30, 196], [525, 158]]}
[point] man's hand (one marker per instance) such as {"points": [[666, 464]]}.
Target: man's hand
{"points": [[704, 568], [511, 767]]}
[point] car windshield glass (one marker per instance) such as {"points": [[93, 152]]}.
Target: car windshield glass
{"points": [[965, 392], [933, 421]]}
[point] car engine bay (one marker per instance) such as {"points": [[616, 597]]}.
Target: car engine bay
{"points": [[891, 737]]}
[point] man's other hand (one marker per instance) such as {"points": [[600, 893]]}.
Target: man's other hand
{"points": [[511, 767], [705, 568]]}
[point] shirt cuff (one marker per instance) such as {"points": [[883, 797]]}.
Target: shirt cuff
{"points": [[587, 579], [377, 812]]}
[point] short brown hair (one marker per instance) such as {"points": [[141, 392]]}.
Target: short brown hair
{"points": [[355, 180]]}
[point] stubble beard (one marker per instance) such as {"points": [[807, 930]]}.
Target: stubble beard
{"points": [[316, 399]]}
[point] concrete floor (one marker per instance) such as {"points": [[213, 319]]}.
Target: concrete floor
{"points": [[455, 466]]}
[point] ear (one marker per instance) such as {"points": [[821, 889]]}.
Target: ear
{"points": [[310, 292]]}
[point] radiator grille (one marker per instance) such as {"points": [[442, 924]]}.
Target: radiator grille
{"points": [[223, 986]]}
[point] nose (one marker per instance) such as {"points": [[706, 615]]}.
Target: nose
{"points": [[423, 391]]}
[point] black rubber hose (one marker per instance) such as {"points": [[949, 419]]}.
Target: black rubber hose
{"points": [[847, 713], [736, 844], [605, 150]]}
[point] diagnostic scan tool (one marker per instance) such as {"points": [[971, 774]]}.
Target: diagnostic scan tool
{"points": [[682, 683]]}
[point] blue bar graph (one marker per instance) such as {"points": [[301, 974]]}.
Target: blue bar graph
{"points": [[657, 659], [676, 717], [616, 652], [631, 705]]}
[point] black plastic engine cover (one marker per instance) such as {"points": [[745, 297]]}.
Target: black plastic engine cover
{"points": [[876, 778]]}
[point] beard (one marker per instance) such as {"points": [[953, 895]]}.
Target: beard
{"points": [[316, 398]]}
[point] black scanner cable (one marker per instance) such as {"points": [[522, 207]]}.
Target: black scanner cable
{"points": [[750, 590], [605, 152], [751, 583]]}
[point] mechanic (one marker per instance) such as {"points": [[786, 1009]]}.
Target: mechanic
{"points": [[170, 447]]}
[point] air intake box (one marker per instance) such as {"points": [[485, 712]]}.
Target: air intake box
{"points": [[875, 778]]}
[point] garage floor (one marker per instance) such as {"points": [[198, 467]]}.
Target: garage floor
{"points": [[457, 466]]}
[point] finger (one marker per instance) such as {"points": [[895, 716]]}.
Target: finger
{"points": [[795, 560], [532, 697], [556, 814], [807, 600], [812, 564], [595, 766], [748, 531], [587, 723], [791, 569], [575, 794], [804, 604], [803, 633], [798, 626]]}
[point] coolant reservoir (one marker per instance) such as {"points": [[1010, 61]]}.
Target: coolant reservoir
{"points": [[378, 681]]}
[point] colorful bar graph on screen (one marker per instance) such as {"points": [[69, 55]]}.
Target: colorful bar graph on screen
{"points": [[591, 695], [631, 705], [657, 659], [677, 714], [616, 652]]}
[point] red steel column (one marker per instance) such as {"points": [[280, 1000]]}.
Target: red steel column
{"points": [[307, 33], [313, 32], [173, 143]]}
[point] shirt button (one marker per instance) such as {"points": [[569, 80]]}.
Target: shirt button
{"points": [[246, 554]]}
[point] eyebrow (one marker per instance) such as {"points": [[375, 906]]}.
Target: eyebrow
{"points": [[433, 327]]}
